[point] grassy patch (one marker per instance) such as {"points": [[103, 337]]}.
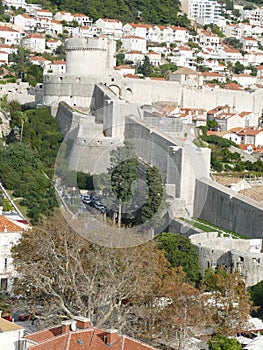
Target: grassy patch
{"points": [[206, 226]]}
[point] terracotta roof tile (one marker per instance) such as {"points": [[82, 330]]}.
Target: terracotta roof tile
{"points": [[7, 225]]}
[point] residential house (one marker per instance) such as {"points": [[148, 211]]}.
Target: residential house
{"points": [[208, 39], [39, 13], [3, 57], [187, 77], [249, 43], [109, 26], [213, 113], [210, 76], [232, 31], [250, 119], [232, 136], [54, 28], [227, 121], [125, 69], [134, 56], [245, 80], [9, 35], [255, 16], [138, 29], [8, 48], [53, 44], [134, 43], [82, 20], [182, 57], [253, 58], [15, 3], [78, 334], [154, 57], [25, 22], [11, 335], [230, 54], [161, 34], [251, 136], [179, 34], [63, 16], [246, 28], [10, 233], [260, 71], [83, 31], [55, 67], [39, 61], [34, 42]]}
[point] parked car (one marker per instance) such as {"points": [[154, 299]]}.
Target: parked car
{"points": [[86, 199]]}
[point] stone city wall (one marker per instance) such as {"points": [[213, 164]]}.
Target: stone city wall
{"points": [[225, 208], [236, 254]]}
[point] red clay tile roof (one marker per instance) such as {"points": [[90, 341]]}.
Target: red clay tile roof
{"points": [[85, 339], [37, 58], [59, 62], [233, 86], [133, 37], [249, 132], [140, 25], [243, 114], [110, 20], [7, 225], [131, 76], [134, 52], [7, 29], [178, 28]]}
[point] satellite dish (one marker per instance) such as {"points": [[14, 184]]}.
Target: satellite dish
{"points": [[73, 326]]}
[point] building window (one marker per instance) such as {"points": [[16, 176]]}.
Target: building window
{"points": [[5, 263], [3, 284]]}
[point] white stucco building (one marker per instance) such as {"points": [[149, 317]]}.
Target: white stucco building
{"points": [[11, 335], [109, 26], [34, 42], [204, 11], [133, 43], [10, 233]]}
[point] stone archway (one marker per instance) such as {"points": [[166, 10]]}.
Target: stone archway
{"points": [[115, 89], [128, 95]]}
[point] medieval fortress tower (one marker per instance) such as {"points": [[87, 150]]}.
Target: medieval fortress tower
{"points": [[97, 108]]}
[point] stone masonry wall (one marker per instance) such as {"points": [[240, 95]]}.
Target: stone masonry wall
{"points": [[228, 209]]}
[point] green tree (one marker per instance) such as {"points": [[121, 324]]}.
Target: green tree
{"points": [[179, 251], [256, 293], [123, 171], [146, 67], [238, 68], [220, 342], [155, 197], [233, 42], [7, 206]]}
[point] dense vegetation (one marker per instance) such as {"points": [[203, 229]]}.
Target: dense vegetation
{"points": [[150, 11], [179, 251], [224, 159], [28, 159]]}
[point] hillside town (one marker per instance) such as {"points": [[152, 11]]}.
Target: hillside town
{"points": [[175, 107]]}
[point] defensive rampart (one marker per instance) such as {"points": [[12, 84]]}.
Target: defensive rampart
{"points": [[228, 209], [236, 254]]}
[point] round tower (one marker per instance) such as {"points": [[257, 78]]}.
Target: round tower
{"points": [[91, 57]]}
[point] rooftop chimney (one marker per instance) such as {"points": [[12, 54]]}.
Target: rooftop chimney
{"points": [[111, 336], [66, 326], [82, 322]]}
